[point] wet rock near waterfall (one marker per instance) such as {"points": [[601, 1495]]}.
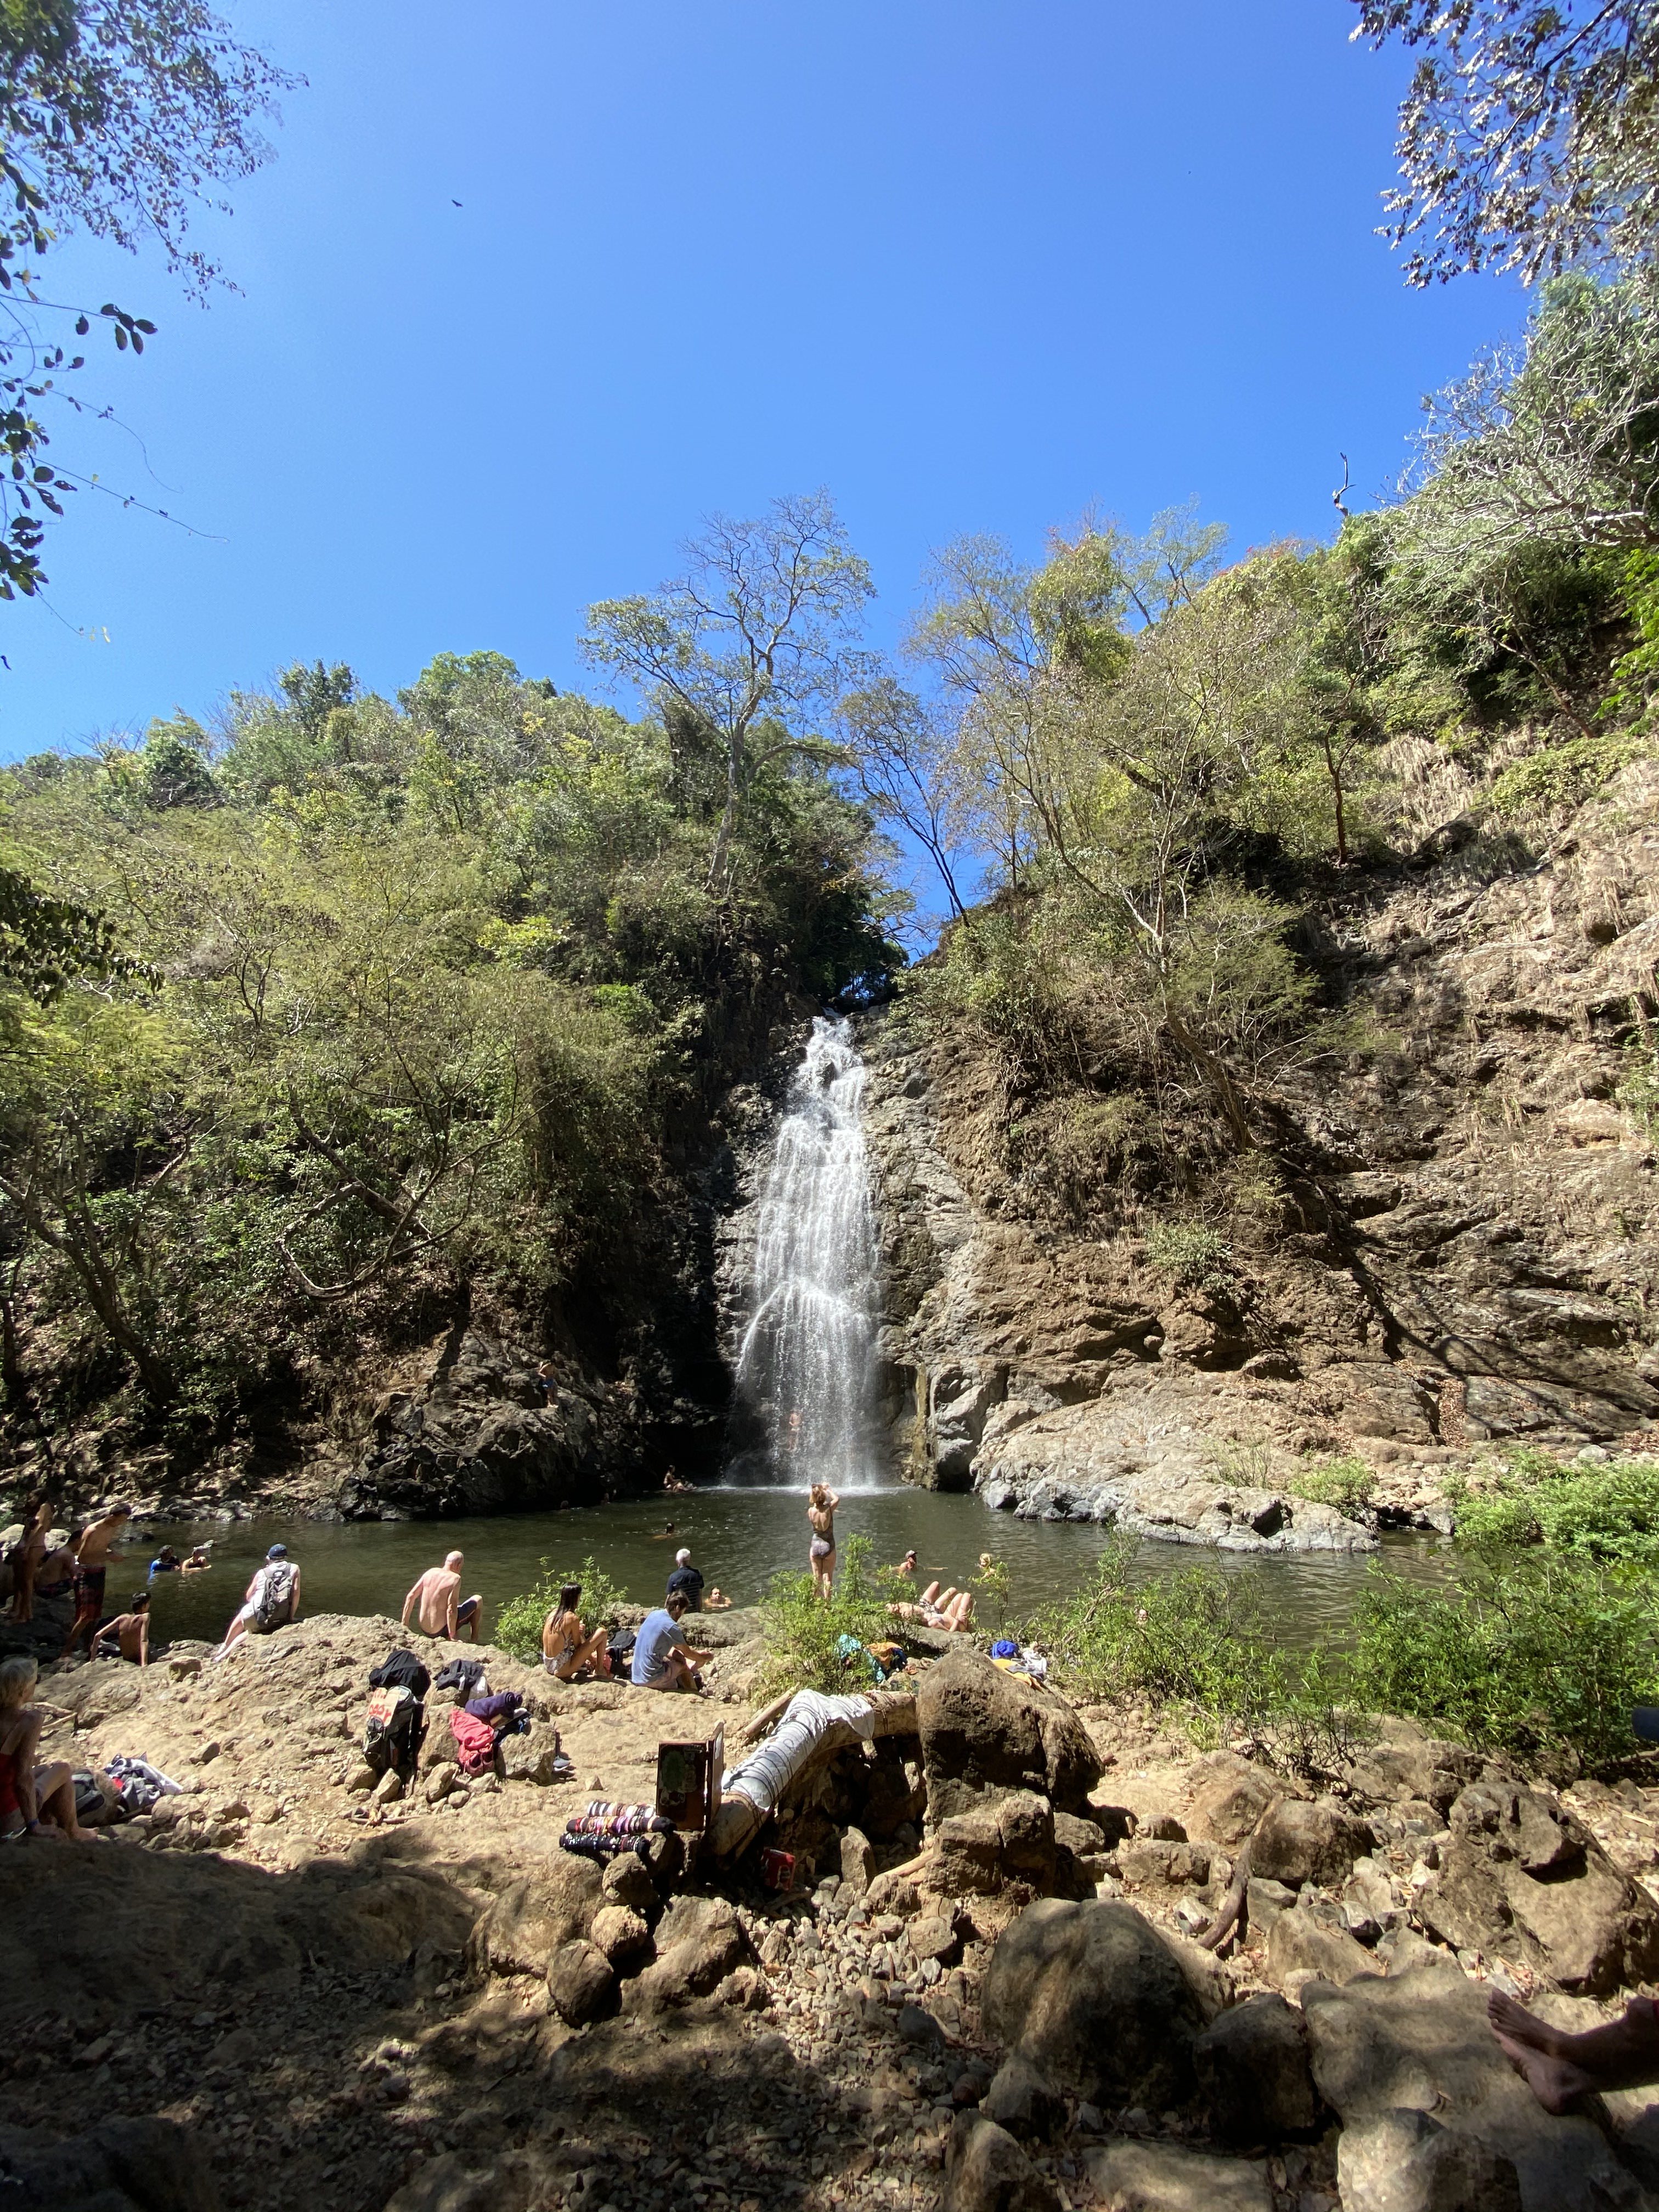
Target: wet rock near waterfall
{"points": [[1092, 1997]]}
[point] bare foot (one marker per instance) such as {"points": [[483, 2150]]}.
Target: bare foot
{"points": [[1513, 2023], [1557, 2083]]}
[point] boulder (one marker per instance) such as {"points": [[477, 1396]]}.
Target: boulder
{"points": [[1298, 1945], [986, 2170], [580, 1982], [1318, 1842], [440, 1780], [1158, 2176], [619, 1933], [1023, 2100], [1229, 1797], [532, 1917], [1095, 1999], [1253, 2073], [857, 1861], [985, 1733], [1405, 2161], [1152, 1862], [1420, 2041], [1524, 1881], [144, 2165], [968, 1855], [1025, 1831], [935, 1937], [700, 1941], [1420, 1768], [530, 1756], [388, 1789], [627, 1881]]}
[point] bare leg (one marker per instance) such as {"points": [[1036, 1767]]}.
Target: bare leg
{"points": [[1559, 2068], [22, 1601], [237, 1628], [54, 1793]]}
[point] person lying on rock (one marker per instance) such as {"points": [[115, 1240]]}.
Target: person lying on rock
{"points": [[568, 1651], [663, 1660], [127, 1637], [1559, 2068], [953, 1609], [93, 1548], [444, 1611], [34, 1801]]}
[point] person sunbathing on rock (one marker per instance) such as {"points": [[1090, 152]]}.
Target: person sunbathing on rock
{"points": [[953, 1609], [568, 1651], [1559, 2068]]}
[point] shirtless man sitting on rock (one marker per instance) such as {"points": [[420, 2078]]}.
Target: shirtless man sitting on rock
{"points": [[1559, 2068], [444, 1611]]}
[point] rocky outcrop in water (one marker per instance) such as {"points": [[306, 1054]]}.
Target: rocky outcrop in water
{"points": [[1464, 1251]]}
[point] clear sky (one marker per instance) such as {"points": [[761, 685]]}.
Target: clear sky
{"points": [[968, 264]]}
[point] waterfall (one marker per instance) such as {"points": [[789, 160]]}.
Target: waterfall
{"points": [[805, 1365]]}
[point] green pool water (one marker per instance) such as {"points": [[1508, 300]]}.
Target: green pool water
{"points": [[740, 1538]]}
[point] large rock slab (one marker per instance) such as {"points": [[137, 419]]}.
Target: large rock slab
{"points": [[1419, 2042], [985, 1735], [1093, 1997], [1522, 1879], [986, 2170], [1404, 2161], [1157, 2176], [533, 1917]]}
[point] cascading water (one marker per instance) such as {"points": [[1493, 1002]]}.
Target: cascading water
{"points": [[806, 1363]]}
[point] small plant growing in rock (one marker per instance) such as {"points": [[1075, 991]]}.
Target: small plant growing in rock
{"points": [[519, 1622], [1345, 1483], [1192, 1251]]}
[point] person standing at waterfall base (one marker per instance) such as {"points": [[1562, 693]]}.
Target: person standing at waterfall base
{"points": [[821, 1518]]}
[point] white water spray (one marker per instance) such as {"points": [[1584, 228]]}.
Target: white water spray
{"points": [[806, 1363]]}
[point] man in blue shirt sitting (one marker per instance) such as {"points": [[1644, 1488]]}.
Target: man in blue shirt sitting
{"points": [[663, 1660]]}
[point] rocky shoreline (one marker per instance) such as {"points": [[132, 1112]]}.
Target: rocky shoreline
{"points": [[291, 1983]]}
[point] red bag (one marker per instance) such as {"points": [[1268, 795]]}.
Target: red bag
{"points": [[475, 1742]]}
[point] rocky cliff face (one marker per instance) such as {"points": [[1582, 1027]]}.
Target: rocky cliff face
{"points": [[1461, 1246]]}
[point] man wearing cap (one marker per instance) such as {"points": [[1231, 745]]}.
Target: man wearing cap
{"points": [[444, 1611], [687, 1581], [271, 1600]]}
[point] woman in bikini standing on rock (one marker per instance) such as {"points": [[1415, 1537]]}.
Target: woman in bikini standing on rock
{"points": [[821, 1518]]}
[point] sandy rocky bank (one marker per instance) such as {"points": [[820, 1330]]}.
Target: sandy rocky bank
{"points": [[287, 1989]]}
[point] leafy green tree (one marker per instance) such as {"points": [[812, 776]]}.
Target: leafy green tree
{"points": [[117, 117], [763, 623], [1529, 137]]}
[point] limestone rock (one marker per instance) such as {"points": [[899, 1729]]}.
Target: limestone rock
{"points": [[985, 1733], [986, 2170], [618, 1933], [1229, 1797], [1094, 1998], [580, 1982], [1298, 1843], [532, 1917], [1522, 1879], [1157, 2176], [700, 1940], [857, 1860], [627, 1881], [1023, 2100], [530, 1756], [1420, 2041], [1253, 2073], [1299, 1945], [1405, 2161]]}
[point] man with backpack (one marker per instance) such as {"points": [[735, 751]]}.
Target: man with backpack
{"points": [[271, 1599]]}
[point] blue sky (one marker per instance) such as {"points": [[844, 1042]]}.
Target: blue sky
{"points": [[971, 266]]}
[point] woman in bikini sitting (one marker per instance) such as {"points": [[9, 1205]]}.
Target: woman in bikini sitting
{"points": [[821, 1518], [568, 1651], [31, 1795]]}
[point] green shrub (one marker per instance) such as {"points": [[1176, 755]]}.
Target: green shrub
{"points": [[1192, 1251], [1534, 1654], [1606, 1515], [1196, 1642], [1638, 1086], [519, 1622], [1345, 1483], [803, 1632]]}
